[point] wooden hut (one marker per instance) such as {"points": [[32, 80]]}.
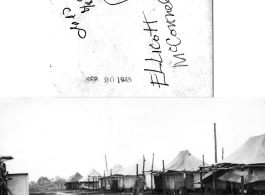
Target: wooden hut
{"points": [[73, 182]]}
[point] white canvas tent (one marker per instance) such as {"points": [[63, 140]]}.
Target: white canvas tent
{"points": [[114, 170], [248, 161], [251, 158], [90, 175], [184, 165], [111, 175], [129, 174], [90, 180], [184, 161], [251, 152]]}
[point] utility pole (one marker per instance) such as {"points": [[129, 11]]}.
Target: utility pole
{"points": [[143, 165], [106, 163], [137, 170], [164, 179], [215, 143], [152, 173]]}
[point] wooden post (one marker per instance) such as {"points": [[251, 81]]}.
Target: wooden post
{"points": [[232, 188], [143, 164], [164, 179], [242, 182], [152, 173], [201, 181], [106, 163], [214, 183], [93, 183], [203, 160], [215, 143], [222, 153], [96, 183], [123, 183], [99, 182], [142, 190], [111, 184], [174, 185], [104, 182], [137, 170], [184, 178]]}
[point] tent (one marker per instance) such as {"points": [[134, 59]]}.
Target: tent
{"points": [[182, 171], [111, 176], [73, 182], [114, 170], [184, 161], [129, 174], [90, 180], [251, 152], [115, 179], [247, 161]]}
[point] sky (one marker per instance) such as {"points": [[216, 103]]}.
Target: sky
{"points": [[61, 136]]}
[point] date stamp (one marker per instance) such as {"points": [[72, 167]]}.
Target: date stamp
{"points": [[92, 78], [109, 80], [117, 80]]}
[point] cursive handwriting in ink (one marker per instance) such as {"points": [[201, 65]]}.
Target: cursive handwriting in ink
{"points": [[114, 2], [157, 75], [174, 41], [85, 8]]}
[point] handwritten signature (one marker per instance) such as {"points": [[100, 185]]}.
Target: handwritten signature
{"points": [[157, 72], [173, 45]]}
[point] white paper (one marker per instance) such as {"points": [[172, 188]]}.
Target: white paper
{"points": [[123, 49]]}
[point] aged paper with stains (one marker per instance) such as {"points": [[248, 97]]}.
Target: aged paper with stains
{"points": [[131, 48]]}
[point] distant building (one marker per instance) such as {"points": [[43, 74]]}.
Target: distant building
{"points": [[73, 182]]}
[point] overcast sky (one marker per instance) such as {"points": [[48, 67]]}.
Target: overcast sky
{"points": [[50, 137]]}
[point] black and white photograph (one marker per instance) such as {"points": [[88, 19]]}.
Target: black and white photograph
{"points": [[132, 146], [132, 97]]}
